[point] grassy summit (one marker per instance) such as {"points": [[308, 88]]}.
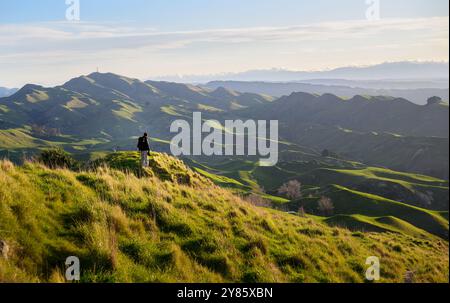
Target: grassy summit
{"points": [[173, 225]]}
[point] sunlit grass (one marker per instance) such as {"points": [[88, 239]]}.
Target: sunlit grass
{"points": [[176, 226]]}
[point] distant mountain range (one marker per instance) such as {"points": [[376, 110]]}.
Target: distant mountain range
{"points": [[5, 92], [389, 71], [276, 89], [382, 84]]}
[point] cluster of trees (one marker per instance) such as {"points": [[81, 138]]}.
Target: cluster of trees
{"points": [[326, 206], [292, 190]]}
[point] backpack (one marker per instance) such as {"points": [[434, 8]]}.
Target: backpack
{"points": [[143, 144], [140, 145]]}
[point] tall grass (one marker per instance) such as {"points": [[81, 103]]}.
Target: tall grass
{"points": [[167, 228]]}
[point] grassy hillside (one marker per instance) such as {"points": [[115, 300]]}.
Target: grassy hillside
{"points": [[173, 226], [381, 224], [364, 198], [369, 192], [417, 190], [348, 201]]}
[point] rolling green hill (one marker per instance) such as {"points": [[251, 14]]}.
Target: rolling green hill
{"points": [[413, 189], [173, 225], [112, 107], [355, 190], [348, 201], [381, 224]]}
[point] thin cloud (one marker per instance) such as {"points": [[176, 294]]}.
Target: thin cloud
{"points": [[80, 32], [83, 44]]}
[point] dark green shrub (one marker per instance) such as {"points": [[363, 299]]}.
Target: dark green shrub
{"points": [[57, 158]]}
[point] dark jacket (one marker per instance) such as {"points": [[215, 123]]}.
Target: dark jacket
{"points": [[143, 144]]}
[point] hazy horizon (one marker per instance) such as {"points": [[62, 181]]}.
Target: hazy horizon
{"points": [[249, 75]]}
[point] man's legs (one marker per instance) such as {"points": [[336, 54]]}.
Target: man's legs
{"points": [[144, 159]]}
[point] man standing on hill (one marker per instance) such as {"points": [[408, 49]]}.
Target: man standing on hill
{"points": [[144, 149]]}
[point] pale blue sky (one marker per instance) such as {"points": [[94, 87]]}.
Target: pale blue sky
{"points": [[201, 14], [145, 38]]}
